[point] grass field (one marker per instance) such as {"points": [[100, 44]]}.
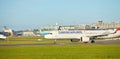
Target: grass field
{"points": [[61, 52], [30, 40], [84, 51]]}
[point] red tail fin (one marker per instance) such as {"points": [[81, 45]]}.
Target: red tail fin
{"points": [[118, 29]]}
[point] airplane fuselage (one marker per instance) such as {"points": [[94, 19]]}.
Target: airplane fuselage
{"points": [[76, 33]]}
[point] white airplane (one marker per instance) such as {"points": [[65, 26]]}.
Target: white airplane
{"points": [[82, 35], [2, 37]]}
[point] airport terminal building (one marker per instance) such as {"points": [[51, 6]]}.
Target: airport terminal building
{"points": [[97, 25]]}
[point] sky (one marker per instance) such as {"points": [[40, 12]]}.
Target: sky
{"points": [[32, 14]]}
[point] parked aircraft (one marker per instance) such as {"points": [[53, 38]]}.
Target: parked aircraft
{"points": [[2, 37]]}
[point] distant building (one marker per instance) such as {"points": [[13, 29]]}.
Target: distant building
{"points": [[9, 31], [83, 26], [18, 33], [28, 33], [68, 27], [102, 25], [98, 25], [47, 28]]}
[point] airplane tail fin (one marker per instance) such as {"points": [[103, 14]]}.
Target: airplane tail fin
{"points": [[118, 29]]}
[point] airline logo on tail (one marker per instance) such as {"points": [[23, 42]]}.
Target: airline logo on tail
{"points": [[118, 29]]}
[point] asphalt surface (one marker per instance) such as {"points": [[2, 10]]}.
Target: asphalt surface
{"points": [[107, 41]]}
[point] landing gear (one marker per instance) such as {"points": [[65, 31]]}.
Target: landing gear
{"points": [[92, 41]]}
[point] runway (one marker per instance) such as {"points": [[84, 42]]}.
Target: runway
{"points": [[101, 42], [107, 41]]}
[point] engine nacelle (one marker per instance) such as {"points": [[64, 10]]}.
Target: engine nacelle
{"points": [[85, 39], [74, 40]]}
